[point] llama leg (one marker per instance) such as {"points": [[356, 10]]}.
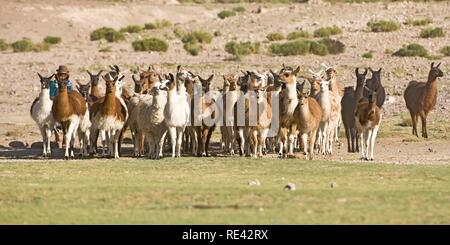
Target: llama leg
{"points": [[254, 142], [173, 139], [179, 140], [48, 132], [160, 145], [372, 144], [151, 147], [312, 141], [362, 148], [305, 144], [367, 135], [347, 135], [103, 138], [424, 126], [283, 132], [208, 138], [115, 137], [44, 145], [242, 139], [415, 121], [68, 138]]}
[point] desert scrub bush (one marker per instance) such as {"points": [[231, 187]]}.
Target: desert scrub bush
{"points": [[105, 49], [445, 51], [327, 31], [368, 55], [159, 24], [197, 36], [239, 9], [178, 32], [24, 45], [298, 34], [418, 22], [107, 33], [239, 49], [193, 48], [318, 49], [52, 40], [225, 14], [275, 36], [131, 29], [39, 47], [217, 34], [410, 50], [3, 45], [150, 44], [295, 47], [432, 32], [383, 25], [405, 120], [334, 46]]}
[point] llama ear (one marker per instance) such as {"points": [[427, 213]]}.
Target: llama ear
{"points": [[160, 78], [40, 76], [224, 78], [134, 79], [432, 64], [370, 69], [365, 71], [379, 70], [172, 78], [210, 78], [90, 74], [122, 77], [51, 76], [99, 73], [296, 70], [111, 67], [178, 68], [284, 66], [438, 65], [357, 71]]}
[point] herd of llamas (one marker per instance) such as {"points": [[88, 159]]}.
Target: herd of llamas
{"points": [[259, 112]]}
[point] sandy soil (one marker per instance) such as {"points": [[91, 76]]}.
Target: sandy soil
{"points": [[74, 20]]}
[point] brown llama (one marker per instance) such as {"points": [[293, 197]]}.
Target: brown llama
{"points": [[421, 98], [69, 108], [95, 89]]}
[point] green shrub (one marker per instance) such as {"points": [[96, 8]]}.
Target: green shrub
{"points": [[327, 31], [334, 46], [318, 49], [150, 44], [3, 45], [226, 13], [217, 34], [242, 48], [193, 48], [445, 51], [39, 47], [383, 25], [298, 34], [131, 29], [52, 40], [197, 36], [418, 22], [24, 45], [368, 55], [239, 9], [114, 36], [159, 24], [178, 32], [275, 36], [432, 32], [413, 49], [105, 49], [100, 33], [296, 47]]}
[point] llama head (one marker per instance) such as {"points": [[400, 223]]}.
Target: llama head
{"points": [[110, 83], [435, 72], [206, 83], [45, 81], [302, 98], [138, 85], [372, 94], [84, 89], [276, 79], [329, 71], [360, 77], [376, 75], [115, 71], [231, 82], [287, 74], [299, 86], [171, 82], [94, 78], [325, 85]]}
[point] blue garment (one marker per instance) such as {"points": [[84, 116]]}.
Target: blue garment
{"points": [[54, 87]]}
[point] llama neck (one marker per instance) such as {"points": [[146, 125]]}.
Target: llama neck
{"points": [[305, 114], [109, 104], [95, 91], [358, 92], [431, 88], [44, 96]]}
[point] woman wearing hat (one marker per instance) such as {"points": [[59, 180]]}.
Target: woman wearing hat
{"points": [[63, 74]]}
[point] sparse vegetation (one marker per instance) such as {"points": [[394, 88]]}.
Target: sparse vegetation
{"points": [[302, 47], [445, 51], [217, 34], [368, 55], [159, 24], [327, 31], [275, 36], [410, 50], [39, 47], [193, 41], [432, 32], [52, 40], [132, 29], [150, 44], [193, 48], [107, 33], [383, 25], [24, 45], [418, 22], [178, 32], [239, 49], [106, 49], [298, 34], [225, 14], [3, 45], [239, 9], [334, 46]]}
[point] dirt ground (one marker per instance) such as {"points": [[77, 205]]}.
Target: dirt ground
{"points": [[74, 20]]}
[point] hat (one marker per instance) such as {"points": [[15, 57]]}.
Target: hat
{"points": [[62, 70]]}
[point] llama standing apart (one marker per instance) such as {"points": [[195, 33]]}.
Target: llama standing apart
{"points": [[308, 115], [421, 98], [176, 113], [41, 112], [69, 108], [108, 116], [367, 121]]}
